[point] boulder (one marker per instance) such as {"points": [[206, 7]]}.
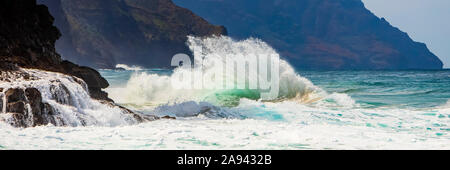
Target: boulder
{"points": [[1, 100], [17, 103], [91, 77], [15, 95]]}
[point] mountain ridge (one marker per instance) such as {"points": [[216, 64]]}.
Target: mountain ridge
{"points": [[103, 33], [38, 87], [319, 34]]}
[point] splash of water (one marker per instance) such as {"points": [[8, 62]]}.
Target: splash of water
{"points": [[152, 89], [69, 97], [129, 68]]}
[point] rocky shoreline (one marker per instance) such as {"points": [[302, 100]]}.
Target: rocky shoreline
{"points": [[32, 91], [27, 39]]}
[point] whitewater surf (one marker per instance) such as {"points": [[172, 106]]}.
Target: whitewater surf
{"points": [[340, 110]]}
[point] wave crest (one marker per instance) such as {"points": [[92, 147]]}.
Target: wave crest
{"points": [[129, 68], [153, 89]]}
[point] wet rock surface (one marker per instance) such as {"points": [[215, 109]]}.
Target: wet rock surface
{"points": [[32, 91], [23, 104], [26, 109], [27, 40]]}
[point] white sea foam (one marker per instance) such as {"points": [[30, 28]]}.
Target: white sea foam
{"points": [[304, 117], [144, 88], [303, 127], [331, 123], [70, 98], [130, 68], [336, 100], [444, 110]]}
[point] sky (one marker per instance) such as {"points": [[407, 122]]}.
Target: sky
{"points": [[426, 21]]}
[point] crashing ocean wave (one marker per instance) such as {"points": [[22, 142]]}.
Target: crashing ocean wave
{"points": [[154, 89], [303, 117], [129, 68]]}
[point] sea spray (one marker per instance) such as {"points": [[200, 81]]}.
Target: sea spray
{"points": [[328, 123], [153, 89], [3, 96], [68, 100], [130, 68]]}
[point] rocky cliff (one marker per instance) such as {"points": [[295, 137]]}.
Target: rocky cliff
{"points": [[319, 34], [27, 39], [36, 86], [103, 33]]}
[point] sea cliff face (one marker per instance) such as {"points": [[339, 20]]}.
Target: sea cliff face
{"points": [[37, 87], [319, 34], [103, 33], [27, 38]]}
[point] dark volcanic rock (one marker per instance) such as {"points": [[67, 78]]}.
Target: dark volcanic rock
{"points": [[319, 34], [61, 94], [89, 75], [1, 100], [42, 112], [25, 106], [15, 107], [27, 34], [35, 99], [15, 95], [103, 33], [92, 77], [27, 39], [16, 102], [139, 117]]}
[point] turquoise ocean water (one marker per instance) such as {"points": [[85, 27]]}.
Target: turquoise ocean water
{"points": [[359, 110], [314, 110]]}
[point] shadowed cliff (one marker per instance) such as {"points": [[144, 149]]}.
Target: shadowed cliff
{"points": [[33, 92], [319, 34], [27, 39], [103, 33]]}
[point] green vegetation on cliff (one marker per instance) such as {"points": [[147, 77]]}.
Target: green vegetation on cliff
{"points": [[103, 33]]}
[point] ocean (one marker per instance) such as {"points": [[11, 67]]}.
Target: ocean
{"points": [[404, 109]]}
